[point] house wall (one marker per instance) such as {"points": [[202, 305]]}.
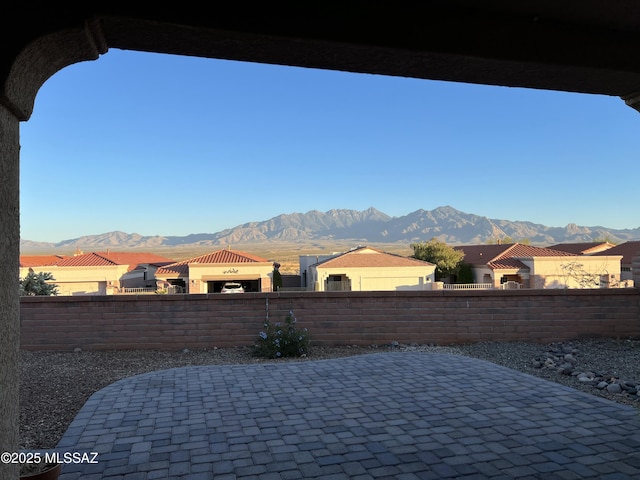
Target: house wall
{"points": [[333, 318], [379, 279], [383, 283], [548, 272], [135, 279], [86, 280], [486, 275], [306, 261], [84, 288], [552, 272], [479, 275]]}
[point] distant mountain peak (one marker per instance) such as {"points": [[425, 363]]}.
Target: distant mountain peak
{"points": [[362, 226]]}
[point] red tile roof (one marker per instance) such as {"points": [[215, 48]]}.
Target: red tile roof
{"points": [[584, 248], [39, 260], [136, 258], [520, 250], [628, 250], [227, 256], [506, 256], [218, 257], [86, 260], [100, 259], [179, 269], [370, 257], [507, 263], [482, 254]]}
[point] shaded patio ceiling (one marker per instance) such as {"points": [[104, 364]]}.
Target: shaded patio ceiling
{"points": [[588, 46]]}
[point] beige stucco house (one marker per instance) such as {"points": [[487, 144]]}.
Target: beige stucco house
{"points": [[368, 269], [208, 273], [37, 262], [97, 273], [629, 250], [524, 266]]}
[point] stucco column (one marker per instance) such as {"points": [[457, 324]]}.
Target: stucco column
{"points": [[9, 298], [20, 80]]}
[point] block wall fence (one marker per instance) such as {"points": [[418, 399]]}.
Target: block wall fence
{"points": [[172, 322]]}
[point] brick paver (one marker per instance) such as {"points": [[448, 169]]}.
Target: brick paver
{"points": [[405, 415]]}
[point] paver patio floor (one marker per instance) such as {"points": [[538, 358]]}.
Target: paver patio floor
{"points": [[401, 415]]}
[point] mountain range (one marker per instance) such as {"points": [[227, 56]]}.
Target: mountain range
{"points": [[368, 226]]}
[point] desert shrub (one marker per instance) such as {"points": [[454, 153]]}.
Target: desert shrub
{"points": [[277, 280], [278, 340], [36, 284], [277, 277]]}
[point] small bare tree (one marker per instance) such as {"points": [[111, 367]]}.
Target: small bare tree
{"points": [[582, 278]]}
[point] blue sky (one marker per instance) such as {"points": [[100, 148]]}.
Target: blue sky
{"points": [[170, 145]]}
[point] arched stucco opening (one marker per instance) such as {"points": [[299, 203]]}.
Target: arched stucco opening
{"points": [[598, 55], [38, 61]]}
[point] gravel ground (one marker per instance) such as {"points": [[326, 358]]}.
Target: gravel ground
{"points": [[55, 385]]}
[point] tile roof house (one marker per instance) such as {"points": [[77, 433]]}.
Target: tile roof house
{"points": [[369, 269], [582, 248], [98, 273], [524, 266], [629, 250], [30, 261], [208, 273]]}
